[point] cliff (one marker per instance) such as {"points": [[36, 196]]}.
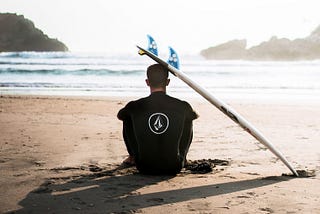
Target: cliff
{"points": [[229, 50], [275, 49], [19, 34]]}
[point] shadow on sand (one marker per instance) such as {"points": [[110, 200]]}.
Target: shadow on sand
{"points": [[111, 192]]}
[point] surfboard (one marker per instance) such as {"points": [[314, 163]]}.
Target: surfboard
{"points": [[172, 66]]}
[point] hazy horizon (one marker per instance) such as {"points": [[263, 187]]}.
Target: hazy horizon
{"points": [[117, 26]]}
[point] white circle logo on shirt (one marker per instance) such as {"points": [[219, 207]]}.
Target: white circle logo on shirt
{"points": [[158, 123]]}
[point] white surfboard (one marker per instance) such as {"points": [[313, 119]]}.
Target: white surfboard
{"points": [[226, 109]]}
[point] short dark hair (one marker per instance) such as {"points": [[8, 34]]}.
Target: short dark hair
{"points": [[157, 75]]}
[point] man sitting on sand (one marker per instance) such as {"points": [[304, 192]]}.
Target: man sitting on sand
{"points": [[157, 129]]}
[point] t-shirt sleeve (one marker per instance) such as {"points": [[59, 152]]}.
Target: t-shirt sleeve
{"points": [[191, 114], [124, 112]]}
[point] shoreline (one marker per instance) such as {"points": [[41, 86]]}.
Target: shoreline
{"points": [[50, 147], [195, 98]]}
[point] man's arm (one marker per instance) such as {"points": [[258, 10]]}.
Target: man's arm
{"points": [[191, 114], [124, 112], [121, 114]]}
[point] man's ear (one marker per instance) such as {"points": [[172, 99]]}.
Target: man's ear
{"points": [[148, 83], [168, 81]]}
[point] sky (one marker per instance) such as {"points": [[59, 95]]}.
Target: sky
{"points": [[116, 26]]}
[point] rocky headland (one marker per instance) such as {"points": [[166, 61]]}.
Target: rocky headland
{"points": [[276, 49], [19, 34]]}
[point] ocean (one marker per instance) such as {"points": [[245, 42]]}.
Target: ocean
{"points": [[104, 75]]}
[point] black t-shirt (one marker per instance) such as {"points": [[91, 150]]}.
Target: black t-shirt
{"points": [[158, 123], [157, 101]]}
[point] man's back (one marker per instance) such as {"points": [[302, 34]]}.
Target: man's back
{"points": [[162, 127]]}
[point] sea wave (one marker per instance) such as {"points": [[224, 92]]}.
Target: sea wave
{"points": [[68, 72], [40, 55], [80, 72]]}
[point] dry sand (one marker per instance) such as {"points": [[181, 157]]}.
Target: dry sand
{"points": [[62, 155]]}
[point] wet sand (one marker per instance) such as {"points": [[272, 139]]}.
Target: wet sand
{"points": [[63, 155]]}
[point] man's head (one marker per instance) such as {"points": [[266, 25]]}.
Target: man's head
{"points": [[157, 76]]}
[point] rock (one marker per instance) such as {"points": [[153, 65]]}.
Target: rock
{"points": [[229, 50], [315, 35], [275, 49], [19, 34]]}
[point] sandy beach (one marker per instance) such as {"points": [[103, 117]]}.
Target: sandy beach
{"points": [[63, 155]]}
